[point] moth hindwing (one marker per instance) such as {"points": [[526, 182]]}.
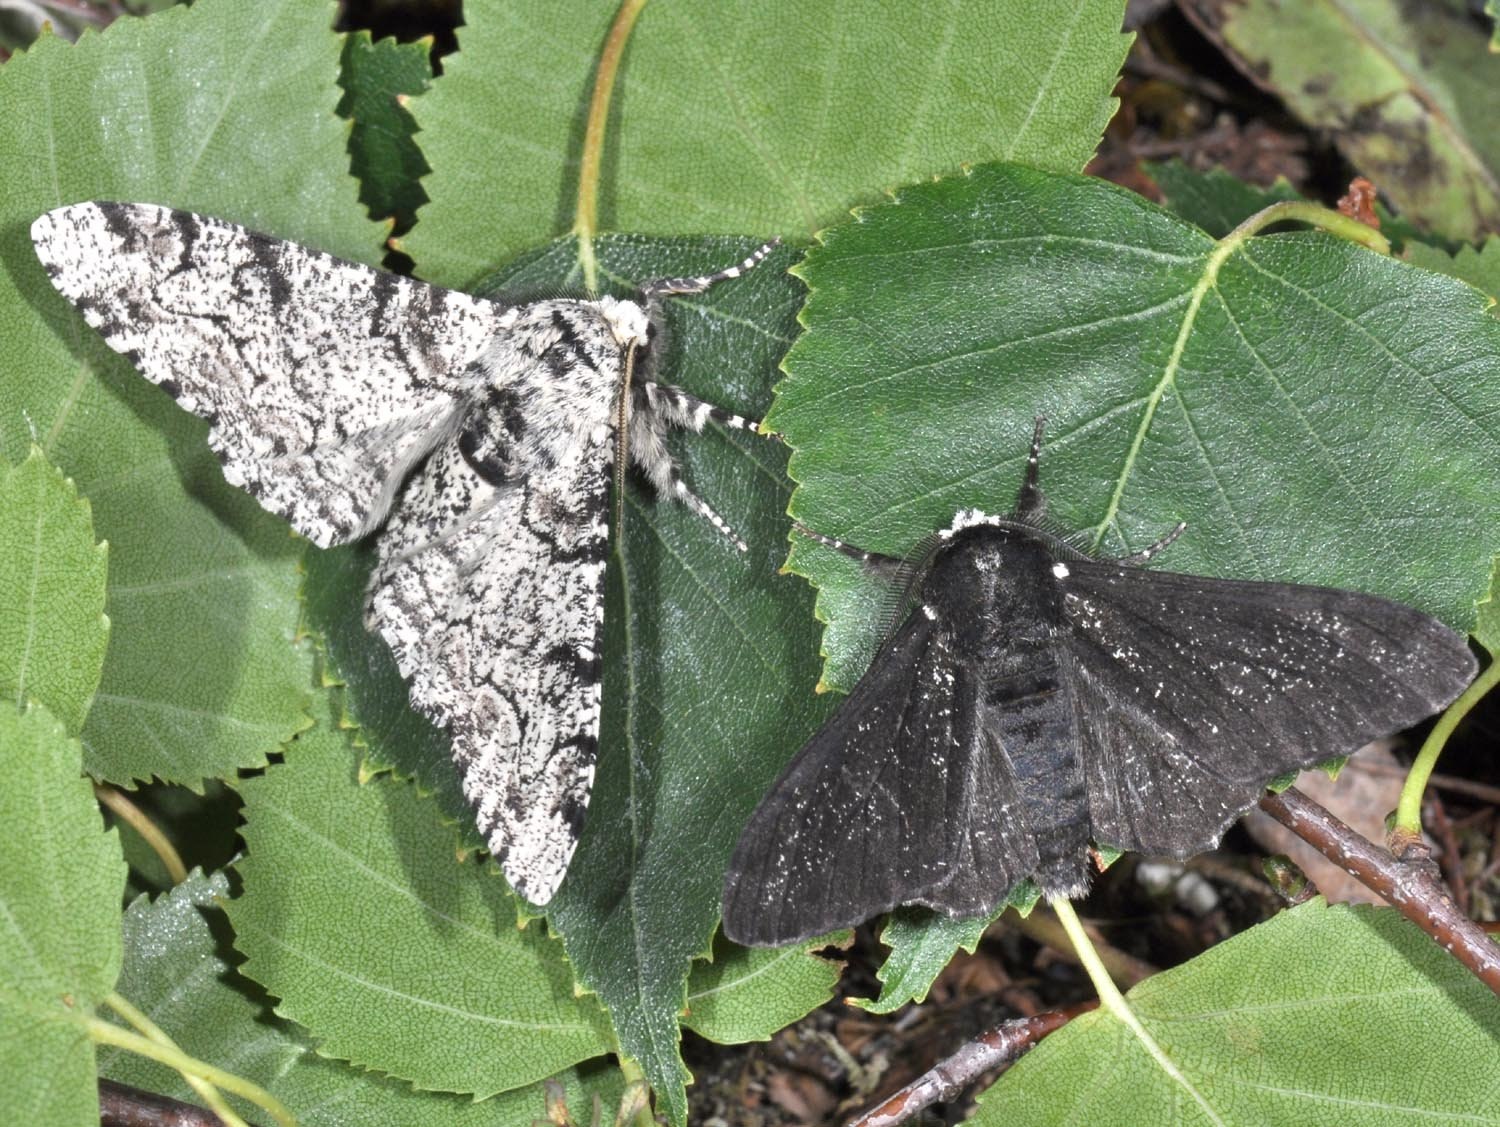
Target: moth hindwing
{"points": [[1036, 699], [477, 436]]}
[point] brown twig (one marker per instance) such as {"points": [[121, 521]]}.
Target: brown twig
{"points": [[947, 1078], [123, 1106], [1408, 880]]}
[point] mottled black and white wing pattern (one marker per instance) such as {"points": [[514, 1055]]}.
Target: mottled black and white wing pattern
{"points": [[477, 436], [1037, 700]]}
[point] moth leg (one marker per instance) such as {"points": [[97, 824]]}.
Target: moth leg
{"points": [[702, 508], [1031, 504], [685, 410], [648, 450], [1151, 549]]}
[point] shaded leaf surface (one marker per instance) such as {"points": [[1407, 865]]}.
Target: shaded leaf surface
{"points": [[52, 624], [178, 970], [1294, 1021], [1487, 628], [357, 916], [1314, 411], [61, 879], [1215, 201], [1409, 92], [794, 112], [190, 107], [748, 994]]}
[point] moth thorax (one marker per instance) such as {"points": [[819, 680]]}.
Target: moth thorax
{"points": [[993, 586]]}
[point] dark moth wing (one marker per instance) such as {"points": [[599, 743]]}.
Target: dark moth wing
{"points": [[902, 797], [1193, 692]]}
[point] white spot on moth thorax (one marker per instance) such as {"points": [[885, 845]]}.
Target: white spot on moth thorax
{"points": [[1060, 570], [968, 518]]}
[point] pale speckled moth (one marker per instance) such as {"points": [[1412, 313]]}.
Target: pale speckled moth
{"points": [[475, 436]]}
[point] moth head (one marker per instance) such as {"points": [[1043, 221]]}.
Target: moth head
{"points": [[627, 321]]}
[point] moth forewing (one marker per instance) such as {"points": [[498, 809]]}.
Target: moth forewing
{"points": [[474, 437], [1057, 700]]}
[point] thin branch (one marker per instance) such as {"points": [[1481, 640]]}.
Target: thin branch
{"points": [[948, 1078], [123, 1106], [1408, 880]]}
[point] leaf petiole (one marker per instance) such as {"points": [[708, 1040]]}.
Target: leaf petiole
{"points": [[1409, 809]]}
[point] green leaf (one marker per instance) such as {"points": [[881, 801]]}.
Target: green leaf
{"points": [[749, 994], [377, 77], [922, 943], [770, 118], [1215, 200], [52, 626], [1479, 267], [179, 970], [1294, 1021], [1410, 99], [394, 954], [225, 108], [60, 942], [1314, 411]]}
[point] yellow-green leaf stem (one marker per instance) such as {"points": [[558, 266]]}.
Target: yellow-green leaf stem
{"points": [[634, 1110], [165, 1052], [586, 218], [149, 1029], [1113, 1001], [136, 818], [1409, 809]]}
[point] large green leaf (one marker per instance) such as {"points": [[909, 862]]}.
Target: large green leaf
{"points": [[1316, 412], [767, 118], [52, 625], [224, 108], [178, 969], [1409, 93], [357, 916], [1295, 1021], [61, 879]]}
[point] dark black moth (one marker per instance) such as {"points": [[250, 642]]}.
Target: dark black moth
{"points": [[1033, 699]]}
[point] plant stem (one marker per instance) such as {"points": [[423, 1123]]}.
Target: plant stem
{"points": [[165, 1052], [136, 818], [586, 214], [635, 1075], [1334, 222], [1409, 809]]}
